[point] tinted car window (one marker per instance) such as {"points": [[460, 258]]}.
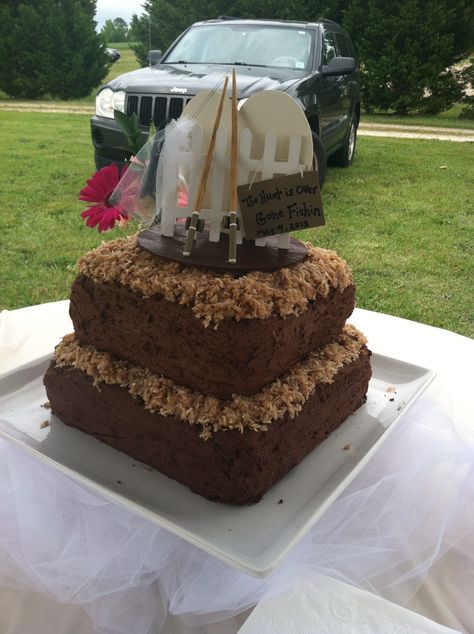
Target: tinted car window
{"points": [[352, 51], [330, 50], [343, 45]]}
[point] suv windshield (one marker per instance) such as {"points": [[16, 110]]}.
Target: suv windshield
{"points": [[252, 45]]}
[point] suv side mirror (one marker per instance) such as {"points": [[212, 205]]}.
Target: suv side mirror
{"points": [[340, 66], [154, 57]]}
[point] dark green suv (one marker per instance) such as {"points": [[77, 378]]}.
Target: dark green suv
{"points": [[315, 63]]}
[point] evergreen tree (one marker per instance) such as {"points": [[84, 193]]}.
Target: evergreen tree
{"points": [[135, 28], [50, 47], [24, 53], [406, 48]]}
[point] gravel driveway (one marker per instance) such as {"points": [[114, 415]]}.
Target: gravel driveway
{"points": [[461, 135], [365, 129]]}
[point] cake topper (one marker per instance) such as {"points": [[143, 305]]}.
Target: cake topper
{"points": [[191, 234], [224, 185]]}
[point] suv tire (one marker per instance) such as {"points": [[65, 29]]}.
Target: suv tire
{"points": [[345, 155]]}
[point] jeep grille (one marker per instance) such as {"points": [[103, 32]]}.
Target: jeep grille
{"points": [[157, 109]]}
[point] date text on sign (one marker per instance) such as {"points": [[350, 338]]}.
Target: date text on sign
{"points": [[280, 205]]}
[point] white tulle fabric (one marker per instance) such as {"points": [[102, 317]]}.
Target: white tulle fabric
{"points": [[144, 186], [413, 501]]}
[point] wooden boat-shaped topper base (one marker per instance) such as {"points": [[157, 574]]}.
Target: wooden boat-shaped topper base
{"points": [[213, 255]]}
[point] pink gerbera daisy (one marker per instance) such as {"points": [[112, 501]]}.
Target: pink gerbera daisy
{"points": [[98, 190]]}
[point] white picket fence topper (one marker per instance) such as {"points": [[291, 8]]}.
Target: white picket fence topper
{"points": [[189, 164]]}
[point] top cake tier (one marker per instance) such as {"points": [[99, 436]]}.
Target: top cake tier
{"points": [[210, 331]]}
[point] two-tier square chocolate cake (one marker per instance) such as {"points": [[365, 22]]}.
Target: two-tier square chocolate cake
{"points": [[219, 381]]}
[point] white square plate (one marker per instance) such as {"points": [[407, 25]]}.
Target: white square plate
{"points": [[255, 538]]}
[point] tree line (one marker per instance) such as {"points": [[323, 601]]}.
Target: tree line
{"points": [[116, 30], [408, 48]]}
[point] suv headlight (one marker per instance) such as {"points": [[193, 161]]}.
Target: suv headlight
{"points": [[107, 101]]}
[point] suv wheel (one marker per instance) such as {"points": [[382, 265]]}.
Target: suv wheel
{"points": [[319, 158], [345, 156]]}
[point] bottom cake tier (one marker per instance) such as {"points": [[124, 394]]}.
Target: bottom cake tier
{"points": [[231, 451]]}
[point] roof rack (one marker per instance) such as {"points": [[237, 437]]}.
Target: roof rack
{"points": [[327, 21], [223, 18]]}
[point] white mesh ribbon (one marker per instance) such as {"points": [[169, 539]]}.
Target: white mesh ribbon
{"points": [[143, 186], [410, 503], [173, 187]]}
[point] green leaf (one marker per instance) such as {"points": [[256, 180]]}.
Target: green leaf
{"points": [[129, 126], [152, 131]]}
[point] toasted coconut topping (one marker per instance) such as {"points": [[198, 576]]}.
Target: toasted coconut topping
{"points": [[215, 296], [286, 395]]}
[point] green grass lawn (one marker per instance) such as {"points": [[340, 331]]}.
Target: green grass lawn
{"points": [[47, 159], [449, 119], [402, 216]]}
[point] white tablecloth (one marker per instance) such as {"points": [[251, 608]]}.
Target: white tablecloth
{"points": [[442, 588], [328, 606]]}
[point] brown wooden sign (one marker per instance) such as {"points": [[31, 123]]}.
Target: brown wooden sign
{"points": [[281, 205]]}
